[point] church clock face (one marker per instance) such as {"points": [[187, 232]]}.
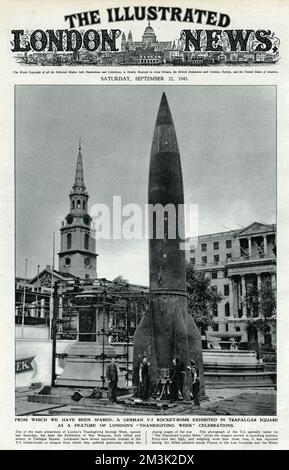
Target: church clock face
{"points": [[69, 219], [86, 219], [86, 262]]}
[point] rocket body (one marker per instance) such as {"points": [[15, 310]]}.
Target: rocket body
{"points": [[166, 330], [167, 260]]}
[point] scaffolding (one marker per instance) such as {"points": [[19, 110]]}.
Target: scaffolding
{"points": [[116, 310]]}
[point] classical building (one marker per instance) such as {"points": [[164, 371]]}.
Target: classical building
{"points": [[233, 261], [149, 40], [77, 246]]}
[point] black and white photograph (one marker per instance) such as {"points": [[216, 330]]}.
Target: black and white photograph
{"points": [[145, 250]]}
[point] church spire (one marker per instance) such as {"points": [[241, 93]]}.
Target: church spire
{"points": [[77, 250], [79, 180]]}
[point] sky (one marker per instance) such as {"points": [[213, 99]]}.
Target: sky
{"points": [[227, 142]]}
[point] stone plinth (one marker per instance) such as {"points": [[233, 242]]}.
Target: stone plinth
{"points": [[222, 357], [84, 366], [242, 379], [235, 369]]}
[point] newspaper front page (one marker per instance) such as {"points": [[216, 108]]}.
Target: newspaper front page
{"points": [[144, 201]]}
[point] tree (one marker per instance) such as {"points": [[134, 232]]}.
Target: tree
{"points": [[261, 306], [202, 298], [120, 280]]}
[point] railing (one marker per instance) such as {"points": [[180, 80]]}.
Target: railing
{"points": [[210, 265], [223, 263], [30, 320], [92, 337], [251, 258]]}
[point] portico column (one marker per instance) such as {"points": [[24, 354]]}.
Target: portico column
{"points": [[42, 308], [234, 298], [244, 309], [250, 247], [60, 307], [231, 298], [265, 245], [239, 295], [259, 282]]}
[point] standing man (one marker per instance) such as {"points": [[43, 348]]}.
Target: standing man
{"points": [[136, 377], [144, 378], [174, 380], [196, 383], [181, 374], [188, 385], [112, 378]]}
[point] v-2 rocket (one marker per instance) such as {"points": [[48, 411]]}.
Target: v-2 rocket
{"points": [[166, 330]]}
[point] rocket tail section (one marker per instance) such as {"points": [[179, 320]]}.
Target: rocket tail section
{"points": [[166, 331]]}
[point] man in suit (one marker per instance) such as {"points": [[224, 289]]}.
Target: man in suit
{"points": [[195, 383], [144, 379], [174, 380], [112, 378]]}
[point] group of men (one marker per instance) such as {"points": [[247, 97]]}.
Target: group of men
{"points": [[181, 382], [184, 381]]}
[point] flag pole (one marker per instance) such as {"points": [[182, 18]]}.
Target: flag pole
{"points": [[37, 290], [23, 304]]}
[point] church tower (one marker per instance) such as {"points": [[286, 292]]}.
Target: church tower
{"points": [[77, 246]]}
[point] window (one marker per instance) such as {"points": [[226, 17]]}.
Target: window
{"points": [[226, 289], [227, 309], [83, 204], [204, 259], [216, 258], [193, 260], [68, 244], [238, 328], [78, 204], [86, 241], [215, 327], [228, 243], [204, 246], [73, 204], [214, 274], [227, 327], [86, 262], [228, 256], [192, 250], [87, 276], [216, 245]]}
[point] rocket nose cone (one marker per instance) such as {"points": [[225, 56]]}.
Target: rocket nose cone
{"points": [[164, 115]]}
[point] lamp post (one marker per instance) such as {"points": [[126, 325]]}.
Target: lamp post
{"points": [[54, 331], [24, 300], [127, 338], [103, 333]]}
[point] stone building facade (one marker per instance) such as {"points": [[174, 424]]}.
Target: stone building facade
{"points": [[233, 261]]}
